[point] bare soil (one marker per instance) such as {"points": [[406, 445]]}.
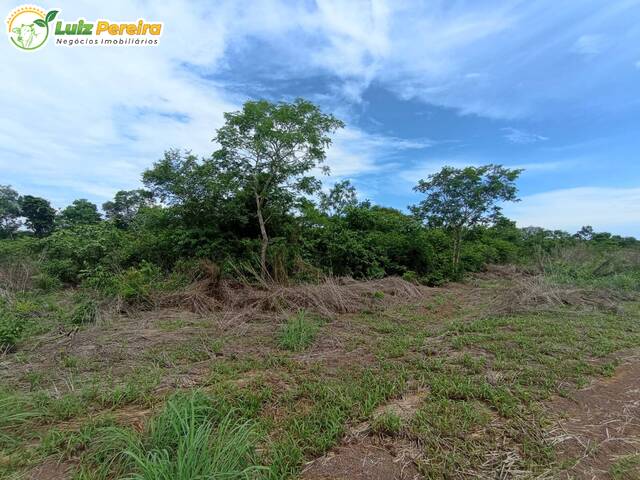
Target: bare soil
{"points": [[51, 470], [364, 460], [600, 424]]}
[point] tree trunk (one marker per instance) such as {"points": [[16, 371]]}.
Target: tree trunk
{"points": [[265, 239]]}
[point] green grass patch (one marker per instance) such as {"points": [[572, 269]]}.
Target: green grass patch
{"points": [[298, 333], [188, 439], [626, 468]]}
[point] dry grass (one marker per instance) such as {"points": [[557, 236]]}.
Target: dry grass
{"points": [[534, 292], [328, 298], [16, 277]]}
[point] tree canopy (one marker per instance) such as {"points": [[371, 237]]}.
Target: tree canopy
{"points": [[339, 197], [40, 215], [80, 212], [126, 204], [9, 211], [462, 198], [268, 150]]}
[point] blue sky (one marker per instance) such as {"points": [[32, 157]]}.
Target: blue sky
{"points": [[552, 87]]}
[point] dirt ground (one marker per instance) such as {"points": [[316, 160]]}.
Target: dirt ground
{"points": [[599, 425], [365, 460], [364, 456], [594, 427]]}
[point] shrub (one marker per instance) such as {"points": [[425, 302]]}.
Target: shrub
{"points": [[18, 264], [47, 282], [410, 276], [594, 266], [85, 310], [74, 252], [371, 242], [135, 285], [11, 328]]}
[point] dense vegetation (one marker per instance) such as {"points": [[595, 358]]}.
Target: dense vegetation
{"points": [[255, 208], [254, 192]]}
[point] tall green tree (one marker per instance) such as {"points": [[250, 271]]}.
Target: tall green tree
{"points": [[40, 215], [9, 211], [125, 206], [460, 199], [269, 149], [339, 197], [207, 200], [80, 212], [585, 233]]}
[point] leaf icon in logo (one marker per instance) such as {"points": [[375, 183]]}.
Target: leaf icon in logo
{"points": [[39, 22], [51, 15]]}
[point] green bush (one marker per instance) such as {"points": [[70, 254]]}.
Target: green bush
{"points": [[85, 310], [135, 285], [11, 328], [595, 266], [410, 276], [47, 282], [19, 248], [76, 252], [371, 242]]}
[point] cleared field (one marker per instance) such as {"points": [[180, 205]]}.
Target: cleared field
{"points": [[412, 382]]}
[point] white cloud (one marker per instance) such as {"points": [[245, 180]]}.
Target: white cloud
{"points": [[486, 58], [536, 167], [356, 152], [86, 122], [606, 209], [589, 45], [431, 166], [515, 135]]}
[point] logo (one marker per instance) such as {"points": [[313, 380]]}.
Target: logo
{"points": [[29, 28]]}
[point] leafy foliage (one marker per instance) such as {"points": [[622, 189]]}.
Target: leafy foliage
{"points": [[10, 329], [40, 215], [126, 205], [267, 150], [74, 252], [80, 212], [460, 199], [9, 211], [340, 197]]}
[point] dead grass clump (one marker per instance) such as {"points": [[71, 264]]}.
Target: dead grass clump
{"points": [[16, 277], [192, 299], [527, 293], [328, 298]]}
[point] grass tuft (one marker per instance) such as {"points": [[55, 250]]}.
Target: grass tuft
{"points": [[189, 439], [298, 333]]}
